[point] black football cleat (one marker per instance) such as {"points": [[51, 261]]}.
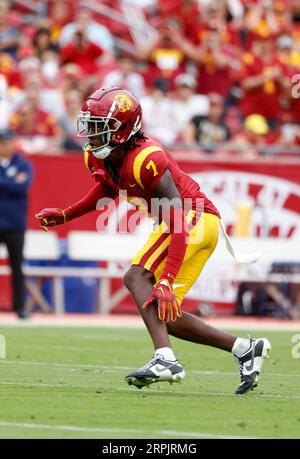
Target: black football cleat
{"points": [[157, 370], [250, 364]]}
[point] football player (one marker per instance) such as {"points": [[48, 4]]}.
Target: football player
{"points": [[121, 157]]}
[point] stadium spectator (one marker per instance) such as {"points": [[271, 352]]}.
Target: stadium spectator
{"points": [[96, 33], [73, 102], [233, 120], [30, 120], [216, 65], [27, 67], [72, 78], [253, 137], [50, 69], [164, 55], [33, 76], [263, 79], [266, 18], [158, 116], [208, 130], [186, 102], [215, 61], [15, 179], [42, 42], [213, 17], [125, 76], [83, 52], [294, 29], [288, 135], [38, 128], [9, 36], [60, 13], [9, 69], [186, 11], [287, 51], [290, 60]]}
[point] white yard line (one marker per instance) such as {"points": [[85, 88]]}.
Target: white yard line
{"points": [[63, 365], [99, 430], [14, 383], [211, 394], [148, 390]]}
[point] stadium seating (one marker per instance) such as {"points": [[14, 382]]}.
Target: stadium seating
{"points": [[89, 245], [38, 246], [114, 249]]}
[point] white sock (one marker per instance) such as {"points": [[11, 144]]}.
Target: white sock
{"points": [[240, 346], [166, 352]]}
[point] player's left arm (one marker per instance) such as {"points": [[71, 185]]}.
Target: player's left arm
{"points": [[172, 213]]}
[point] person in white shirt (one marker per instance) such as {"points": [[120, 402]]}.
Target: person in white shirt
{"points": [[96, 33], [158, 118], [125, 76], [186, 102]]}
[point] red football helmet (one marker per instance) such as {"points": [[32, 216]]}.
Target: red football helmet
{"points": [[112, 113]]}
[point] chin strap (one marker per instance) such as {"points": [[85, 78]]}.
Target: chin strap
{"points": [[100, 152]]}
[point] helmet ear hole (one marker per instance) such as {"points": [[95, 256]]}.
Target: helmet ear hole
{"points": [[124, 126]]}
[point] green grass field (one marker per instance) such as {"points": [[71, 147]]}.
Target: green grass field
{"points": [[69, 383]]}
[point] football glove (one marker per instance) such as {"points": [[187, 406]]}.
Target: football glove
{"points": [[164, 297], [51, 217]]}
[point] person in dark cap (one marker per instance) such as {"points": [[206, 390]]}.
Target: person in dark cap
{"points": [[15, 179]]}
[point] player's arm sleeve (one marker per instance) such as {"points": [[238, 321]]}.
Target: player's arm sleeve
{"points": [[174, 216], [89, 202], [149, 166]]}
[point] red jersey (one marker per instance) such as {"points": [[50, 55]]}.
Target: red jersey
{"points": [[83, 56], [228, 35], [41, 123], [264, 99], [166, 61], [142, 168], [210, 78]]}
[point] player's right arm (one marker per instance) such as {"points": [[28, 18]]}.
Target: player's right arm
{"points": [[55, 216]]}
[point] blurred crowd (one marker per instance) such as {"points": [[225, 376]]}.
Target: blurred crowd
{"points": [[222, 75]]}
